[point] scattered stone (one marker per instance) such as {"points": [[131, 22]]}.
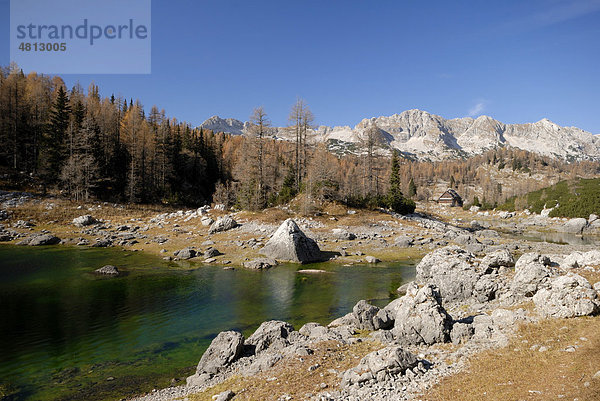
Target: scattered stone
{"points": [[311, 271], [3, 215], [108, 270], [102, 243], [260, 263], [291, 244], [224, 396], [212, 252], [43, 239], [372, 259], [210, 260], [404, 241], [83, 221], [186, 253], [344, 235], [391, 361], [206, 221], [223, 223]]}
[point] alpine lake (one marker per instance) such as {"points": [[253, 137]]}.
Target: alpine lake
{"points": [[69, 334]]}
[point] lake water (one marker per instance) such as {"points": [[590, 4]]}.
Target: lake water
{"points": [[67, 334]]}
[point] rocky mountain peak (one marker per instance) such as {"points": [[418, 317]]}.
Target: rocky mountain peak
{"points": [[424, 135]]}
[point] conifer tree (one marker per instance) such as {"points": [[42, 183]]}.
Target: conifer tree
{"points": [[53, 151]]}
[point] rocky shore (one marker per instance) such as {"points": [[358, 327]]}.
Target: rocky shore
{"points": [[472, 303], [482, 275]]}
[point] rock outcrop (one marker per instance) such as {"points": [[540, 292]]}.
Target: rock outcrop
{"points": [[289, 243], [223, 350]]}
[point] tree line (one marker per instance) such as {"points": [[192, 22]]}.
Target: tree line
{"points": [[86, 146]]}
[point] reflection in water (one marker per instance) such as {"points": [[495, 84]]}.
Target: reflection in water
{"points": [[65, 331], [561, 238]]}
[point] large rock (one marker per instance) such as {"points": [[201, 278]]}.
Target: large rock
{"points": [[450, 269], [574, 226], [291, 244], [380, 365], [582, 259], [83, 221], [364, 313], [567, 296], [222, 352], [186, 253], [223, 223], [421, 319], [532, 271], [273, 333], [43, 239]]}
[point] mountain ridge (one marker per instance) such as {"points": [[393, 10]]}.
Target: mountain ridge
{"points": [[428, 136]]}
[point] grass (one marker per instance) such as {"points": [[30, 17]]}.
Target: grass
{"points": [[292, 376], [58, 218], [519, 372]]}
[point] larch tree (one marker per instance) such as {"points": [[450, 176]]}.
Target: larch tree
{"points": [[301, 120], [260, 124]]}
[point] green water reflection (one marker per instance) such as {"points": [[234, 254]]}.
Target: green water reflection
{"points": [[68, 334]]}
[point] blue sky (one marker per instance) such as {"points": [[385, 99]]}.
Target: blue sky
{"points": [[516, 61]]}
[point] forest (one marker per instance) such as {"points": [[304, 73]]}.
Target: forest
{"points": [[81, 145]]}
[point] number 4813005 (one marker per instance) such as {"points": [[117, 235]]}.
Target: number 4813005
{"points": [[43, 47]]}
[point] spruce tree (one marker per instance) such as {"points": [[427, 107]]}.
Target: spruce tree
{"points": [[53, 152], [412, 188], [395, 199]]}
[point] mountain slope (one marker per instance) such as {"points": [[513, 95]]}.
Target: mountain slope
{"points": [[423, 135]]}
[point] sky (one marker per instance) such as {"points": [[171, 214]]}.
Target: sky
{"points": [[513, 60]]}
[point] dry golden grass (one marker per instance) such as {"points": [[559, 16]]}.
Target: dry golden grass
{"points": [[292, 375], [592, 277], [520, 373]]}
